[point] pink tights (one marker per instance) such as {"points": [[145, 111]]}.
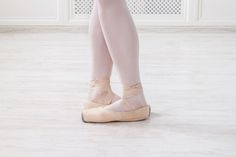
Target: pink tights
{"points": [[114, 39]]}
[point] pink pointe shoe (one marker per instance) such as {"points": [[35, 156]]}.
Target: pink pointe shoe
{"points": [[103, 94], [104, 114]]}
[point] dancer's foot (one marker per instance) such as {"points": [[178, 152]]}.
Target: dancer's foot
{"points": [[131, 107], [100, 94]]}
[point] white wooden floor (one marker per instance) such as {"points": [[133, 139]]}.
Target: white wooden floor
{"points": [[189, 79]]}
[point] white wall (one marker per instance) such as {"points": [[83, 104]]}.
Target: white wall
{"points": [[217, 12], [60, 12], [33, 12]]}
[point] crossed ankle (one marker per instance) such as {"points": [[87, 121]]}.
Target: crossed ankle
{"points": [[101, 92]]}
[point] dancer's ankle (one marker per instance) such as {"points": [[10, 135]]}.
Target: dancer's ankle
{"points": [[99, 89], [100, 83], [131, 90]]}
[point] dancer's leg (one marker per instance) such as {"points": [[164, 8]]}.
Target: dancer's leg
{"points": [[122, 40], [100, 89], [101, 59]]}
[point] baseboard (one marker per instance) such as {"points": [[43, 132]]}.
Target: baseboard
{"points": [[144, 29], [41, 29]]}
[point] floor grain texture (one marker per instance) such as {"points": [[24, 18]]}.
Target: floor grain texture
{"points": [[189, 80]]}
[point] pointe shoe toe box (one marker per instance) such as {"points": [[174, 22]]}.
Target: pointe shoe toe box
{"points": [[98, 114]]}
